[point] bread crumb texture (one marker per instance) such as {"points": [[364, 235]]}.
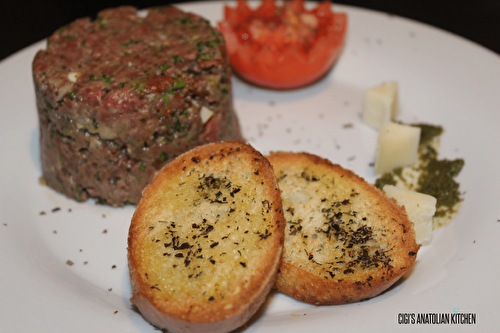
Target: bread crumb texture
{"points": [[344, 239], [206, 239]]}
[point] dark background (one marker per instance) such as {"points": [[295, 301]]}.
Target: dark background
{"points": [[23, 22]]}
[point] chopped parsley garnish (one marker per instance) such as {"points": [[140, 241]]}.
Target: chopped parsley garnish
{"points": [[177, 59], [178, 84], [131, 42], [163, 157], [203, 56], [163, 68], [106, 78], [165, 99], [185, 20]]}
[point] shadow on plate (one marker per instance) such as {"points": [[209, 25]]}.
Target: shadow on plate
{"points": [[34, 149]]}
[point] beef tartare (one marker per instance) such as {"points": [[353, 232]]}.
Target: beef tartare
{"points": [[120, 96]]}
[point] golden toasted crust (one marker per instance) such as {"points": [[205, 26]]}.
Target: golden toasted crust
{"points": [[344, 240], [206, 239]]}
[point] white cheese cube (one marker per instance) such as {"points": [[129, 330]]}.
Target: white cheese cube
{"points": [[380, 104], [420, 209], [397, 146]]}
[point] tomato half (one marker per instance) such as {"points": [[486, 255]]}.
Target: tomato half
{"points": [[283, 47]]}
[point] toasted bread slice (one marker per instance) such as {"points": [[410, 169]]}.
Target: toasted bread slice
{"points": [[206, 239], [345, 240]]}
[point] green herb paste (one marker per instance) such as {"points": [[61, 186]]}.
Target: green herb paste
{"points": [[436, 177]]}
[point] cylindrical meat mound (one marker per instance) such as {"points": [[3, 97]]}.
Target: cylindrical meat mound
{"points": [[120, 96]]}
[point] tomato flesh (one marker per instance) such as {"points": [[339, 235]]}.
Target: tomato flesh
{"points": [[283, 47]]}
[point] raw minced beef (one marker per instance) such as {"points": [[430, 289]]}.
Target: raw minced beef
{"points": [[120, 96]]}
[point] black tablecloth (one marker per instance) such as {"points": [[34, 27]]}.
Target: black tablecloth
{"points": [[24, 22]]}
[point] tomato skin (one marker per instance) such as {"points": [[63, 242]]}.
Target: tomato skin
{"points": [[283, 47]]}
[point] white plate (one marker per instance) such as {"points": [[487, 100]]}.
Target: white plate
{"points": [[444, 80]]}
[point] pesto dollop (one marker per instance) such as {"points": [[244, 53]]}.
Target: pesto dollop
{"points": [[435, 177]]}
